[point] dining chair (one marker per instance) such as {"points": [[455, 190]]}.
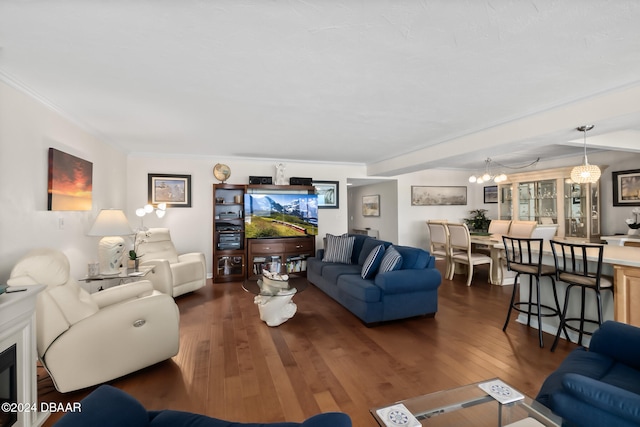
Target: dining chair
{"points": [[499, 227], [574, 267], [460, 252], [439, 242], [524, 257], [522, 228]]}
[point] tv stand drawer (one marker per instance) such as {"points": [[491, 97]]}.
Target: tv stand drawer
{"points": [[298, 245], [267, 247]]}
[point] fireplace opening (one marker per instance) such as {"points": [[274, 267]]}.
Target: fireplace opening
{"points": [[8, 386]]}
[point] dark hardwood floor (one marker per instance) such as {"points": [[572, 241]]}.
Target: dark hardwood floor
{"points": [[233, 366]]}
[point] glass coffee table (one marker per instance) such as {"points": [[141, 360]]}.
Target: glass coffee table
{"points": [[468, 405], [275, 304]]}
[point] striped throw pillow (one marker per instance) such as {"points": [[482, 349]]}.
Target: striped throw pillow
{"points": [[338, 249], [371, 264], [392, 260]]}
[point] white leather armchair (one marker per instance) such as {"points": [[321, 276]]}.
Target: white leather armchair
{"points": [[86, 339], [173, 274]]}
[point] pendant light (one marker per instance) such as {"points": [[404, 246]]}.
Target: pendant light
{"points": [[585, 173]]}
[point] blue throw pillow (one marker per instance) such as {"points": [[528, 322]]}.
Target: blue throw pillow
{"points": [[372, 262], [338, 249], [392, 260]]}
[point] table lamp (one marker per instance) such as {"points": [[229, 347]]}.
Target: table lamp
{"points": [[111, 224]]}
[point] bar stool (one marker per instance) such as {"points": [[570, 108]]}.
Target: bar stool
{"points": [[524, 256], [572, 267]]}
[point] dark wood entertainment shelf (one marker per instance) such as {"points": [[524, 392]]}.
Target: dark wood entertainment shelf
{"points": [[234, 254]]}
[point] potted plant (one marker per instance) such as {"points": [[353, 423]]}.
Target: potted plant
{"points": [[133, 256], [478, 220]]}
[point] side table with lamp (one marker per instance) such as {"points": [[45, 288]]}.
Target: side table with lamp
{"points": [[111, 225]]}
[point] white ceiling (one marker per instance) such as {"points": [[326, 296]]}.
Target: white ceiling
{"points": [[398, 85]]}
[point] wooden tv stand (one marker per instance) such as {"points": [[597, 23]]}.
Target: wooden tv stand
{"points": [[290, 252]]}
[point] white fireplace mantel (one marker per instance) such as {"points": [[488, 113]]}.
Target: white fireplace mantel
{"points": [[17, 326]]}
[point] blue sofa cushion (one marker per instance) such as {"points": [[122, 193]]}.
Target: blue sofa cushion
{"points": [[332, 272], [107, 406], [338, 249], [392, 260], [372, 262], [367, 246], [359, 288], [413, 257], [610, 335]]}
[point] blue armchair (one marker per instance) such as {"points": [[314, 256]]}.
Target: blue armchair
{"points": [[599, 386], [108, 406]]}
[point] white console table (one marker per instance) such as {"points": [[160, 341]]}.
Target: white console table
{"points": [[618, 240], [17, 326]]}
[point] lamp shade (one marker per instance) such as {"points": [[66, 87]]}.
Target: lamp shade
{"points": [[111, 222], [585, 174]]}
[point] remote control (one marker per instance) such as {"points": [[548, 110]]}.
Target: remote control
{"points": [[501, 391]]}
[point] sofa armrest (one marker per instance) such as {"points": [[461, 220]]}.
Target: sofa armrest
{"points": [[121, 293], [618, 341], [192, 257], [410, 280], [611, 399], [161, 277]]}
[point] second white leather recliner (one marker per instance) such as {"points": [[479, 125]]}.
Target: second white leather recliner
{"points": [[173, 274]]}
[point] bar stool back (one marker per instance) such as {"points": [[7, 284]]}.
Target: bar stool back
{"points": [[573, 267], [524, 257]]}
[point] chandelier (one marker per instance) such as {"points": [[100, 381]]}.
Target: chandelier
{"points": [[585, 173], [488, 175]]}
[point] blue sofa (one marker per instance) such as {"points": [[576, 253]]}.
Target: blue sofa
{"points": [[599, 386], [108, 406], [410, 291]]}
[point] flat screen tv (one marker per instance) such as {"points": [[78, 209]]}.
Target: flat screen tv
{"points": [[280, 215]]}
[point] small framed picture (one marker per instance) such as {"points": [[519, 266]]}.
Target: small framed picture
{"points": [[328, 194], [174, 190], [491, 194], [371, 205], [626, 188]]}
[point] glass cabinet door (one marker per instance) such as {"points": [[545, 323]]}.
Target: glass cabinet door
{"points": [[582, 210], [506, 201], [526, 201], [537, 201], [546, 206]]}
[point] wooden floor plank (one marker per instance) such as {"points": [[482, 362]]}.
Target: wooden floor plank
{"points": [[231, 365]]}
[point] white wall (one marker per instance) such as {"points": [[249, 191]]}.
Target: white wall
{"points": [[192, 228], [387, 222], [27, 129]]}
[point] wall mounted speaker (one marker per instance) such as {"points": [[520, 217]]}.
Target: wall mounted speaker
{"points": [[300, 181], [260, 180]]}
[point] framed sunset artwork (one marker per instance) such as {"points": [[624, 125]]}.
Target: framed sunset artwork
{"points": [[70, 182]]}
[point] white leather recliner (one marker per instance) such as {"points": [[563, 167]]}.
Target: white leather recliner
{"points": [[173, 274], [86, 339]]}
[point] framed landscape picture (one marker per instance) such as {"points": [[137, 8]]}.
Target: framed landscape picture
{"points": [[438, 196], [371, 205], [491, 194], [174, 190], [626, 188], [328, 194]]}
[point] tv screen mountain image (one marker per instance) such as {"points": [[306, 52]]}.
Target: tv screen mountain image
{"points": [[280, 215]]}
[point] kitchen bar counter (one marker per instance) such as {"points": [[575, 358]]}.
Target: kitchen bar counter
{"points": [[622, 263]]}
